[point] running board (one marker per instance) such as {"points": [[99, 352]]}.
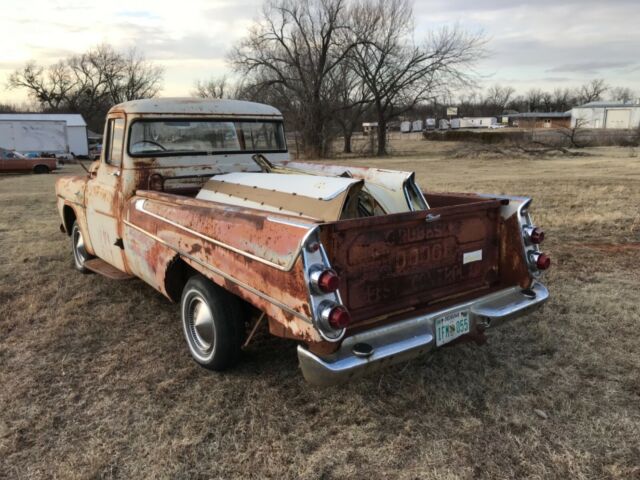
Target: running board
{"points": [[103, 268]]}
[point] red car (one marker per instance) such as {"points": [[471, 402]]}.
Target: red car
{"points": [[16, 162]]}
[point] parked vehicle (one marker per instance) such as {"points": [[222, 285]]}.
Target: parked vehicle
{"points": [[405, 127], [95, 151], [198, 198], [16, 162]]}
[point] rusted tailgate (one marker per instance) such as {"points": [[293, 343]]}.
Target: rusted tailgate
{"points": [[398, 262]]}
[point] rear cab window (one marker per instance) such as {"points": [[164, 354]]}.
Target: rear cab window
{"points": [[205, 137]]}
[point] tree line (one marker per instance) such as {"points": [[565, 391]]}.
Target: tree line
{"points": [[326, 64], [498, 99], [89, 83]]}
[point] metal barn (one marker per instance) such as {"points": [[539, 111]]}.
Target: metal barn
{"points": [[621, 115]]}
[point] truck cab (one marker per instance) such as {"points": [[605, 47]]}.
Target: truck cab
{"points": [[360, 266]]}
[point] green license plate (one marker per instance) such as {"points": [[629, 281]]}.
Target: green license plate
{"points": [[451, 326]]}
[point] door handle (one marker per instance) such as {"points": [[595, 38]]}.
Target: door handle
{"points": [[431, 217], [116, 173]]}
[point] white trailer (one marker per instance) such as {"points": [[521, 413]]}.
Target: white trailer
{"points": [[477, 122], [76, 129], [430, 123], [417, 126], [405, 127], [34, 136]]}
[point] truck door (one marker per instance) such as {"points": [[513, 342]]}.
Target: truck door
{"points": [[104, 197], [13, 163]]}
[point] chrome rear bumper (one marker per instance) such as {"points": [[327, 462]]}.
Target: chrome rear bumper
{"points": [[415, 336]]}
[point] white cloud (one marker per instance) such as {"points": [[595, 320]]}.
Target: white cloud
{"points": [[540, 43]]}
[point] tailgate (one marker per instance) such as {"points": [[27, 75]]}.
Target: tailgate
{"points": [[394, 263]]}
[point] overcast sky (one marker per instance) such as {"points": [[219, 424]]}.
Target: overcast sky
{"points": [[542, 43]]}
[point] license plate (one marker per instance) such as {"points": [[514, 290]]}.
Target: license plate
{"points": [[451, 326]]}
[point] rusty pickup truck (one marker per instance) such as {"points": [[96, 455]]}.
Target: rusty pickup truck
{"points": [[361, 267], [14, 162]]}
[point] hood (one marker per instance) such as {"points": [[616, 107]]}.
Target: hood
{"points": [[312, 196]]}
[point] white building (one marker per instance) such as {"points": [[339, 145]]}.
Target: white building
{"points": [[607, 115], [76, 127]]}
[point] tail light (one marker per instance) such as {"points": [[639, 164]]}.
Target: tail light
{"points": [[535, 235], [541, 260], [324, 280], [337, 316]]}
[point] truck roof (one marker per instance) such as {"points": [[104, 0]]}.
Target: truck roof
{"points": [[196, 106]]}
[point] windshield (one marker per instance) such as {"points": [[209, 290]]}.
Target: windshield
{"points": [[197, 137]]}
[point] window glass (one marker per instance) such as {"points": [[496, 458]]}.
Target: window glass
{"points": [[186, 137], [116, 139], [261, 135]]}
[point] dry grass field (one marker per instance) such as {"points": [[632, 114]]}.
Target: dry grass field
{"points": [[96, 380]]}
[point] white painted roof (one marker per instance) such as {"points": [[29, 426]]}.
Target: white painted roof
{"points": [[72, 119], [610, 105], [198, 106], [312, 186]]}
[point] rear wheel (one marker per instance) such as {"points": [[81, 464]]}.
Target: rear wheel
{"points": [[80, 254], [41, 169], [213, 324]]}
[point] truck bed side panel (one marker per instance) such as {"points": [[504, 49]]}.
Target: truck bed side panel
{"points": [[246, 252]]}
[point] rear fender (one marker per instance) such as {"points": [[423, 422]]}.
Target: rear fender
{"points": [[254, 255]]}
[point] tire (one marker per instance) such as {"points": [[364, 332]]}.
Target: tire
{"points": [[213, 324], [80, 254], [41, 169]]}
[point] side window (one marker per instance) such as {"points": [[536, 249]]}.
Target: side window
{"points": [[115, 132]]}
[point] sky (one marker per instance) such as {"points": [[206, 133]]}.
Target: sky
{"points": [[542, 44]]}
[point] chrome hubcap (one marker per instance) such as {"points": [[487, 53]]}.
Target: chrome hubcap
{"points": [[80, 250], [201, 324]]}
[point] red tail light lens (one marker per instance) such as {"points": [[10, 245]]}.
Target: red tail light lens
{"points": [[339, 317], [543, 261], [328, 281], [537, 235]]}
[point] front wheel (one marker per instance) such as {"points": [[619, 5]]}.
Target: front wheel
{"points": [[39, 169], [80, 254], [213, 324]]}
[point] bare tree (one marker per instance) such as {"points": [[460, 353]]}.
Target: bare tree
{"points": [[534, 99], [562, 99], [399, 73], [295, 47], [90, 83], [547, 101], [621, 94], [592, 91], [498, 97], [350, 101], [220, 87], [574, 133]]}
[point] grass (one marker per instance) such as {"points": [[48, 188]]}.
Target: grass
{"points": [[97, 381]]}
